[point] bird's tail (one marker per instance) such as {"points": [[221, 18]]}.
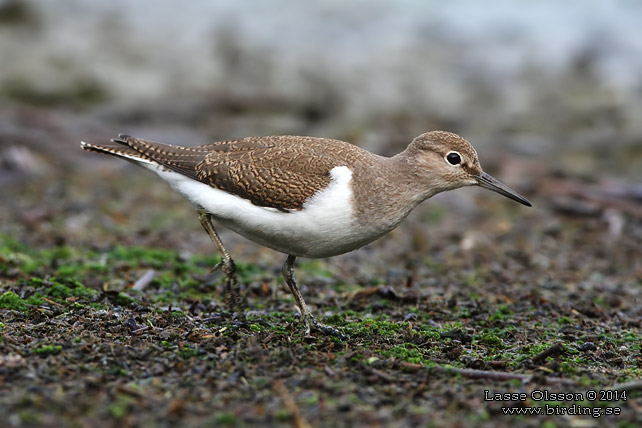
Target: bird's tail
{"points": [[118, 147], [183, 160]]}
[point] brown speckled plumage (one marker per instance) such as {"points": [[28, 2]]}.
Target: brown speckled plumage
{"points": [[280, 172], [327, 197], [283, 172]]}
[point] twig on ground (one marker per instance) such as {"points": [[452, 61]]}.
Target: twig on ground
{"points": [[142, 282], [290, 404], [52, 302], [501, 376], [553, 350], [634, 385], [141, 329]]}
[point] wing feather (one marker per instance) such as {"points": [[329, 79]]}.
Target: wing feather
{"points": [[280, 172]]}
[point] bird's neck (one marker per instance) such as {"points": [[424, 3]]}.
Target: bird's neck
{"points": [[384, 200]]}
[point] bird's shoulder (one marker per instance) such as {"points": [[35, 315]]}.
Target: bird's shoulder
{"points": [[281, 172]]}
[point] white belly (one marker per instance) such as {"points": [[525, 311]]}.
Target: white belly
{"points": [[324, 227]]}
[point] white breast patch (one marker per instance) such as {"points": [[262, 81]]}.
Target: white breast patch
{"points": [[324, 227]]}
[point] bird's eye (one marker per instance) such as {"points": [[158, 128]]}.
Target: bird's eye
{"points": [[453, 158]]}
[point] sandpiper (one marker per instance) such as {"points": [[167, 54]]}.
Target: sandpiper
{"points": [[306, 196]]}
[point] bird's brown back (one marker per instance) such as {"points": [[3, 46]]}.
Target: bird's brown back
{"points": [[280, 172]]}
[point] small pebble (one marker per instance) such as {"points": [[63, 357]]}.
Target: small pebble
{"points": [[587, 346]]}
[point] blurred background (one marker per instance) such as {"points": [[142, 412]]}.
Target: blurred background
{"points": [[549, 93]]}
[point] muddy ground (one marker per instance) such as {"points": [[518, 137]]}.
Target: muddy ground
{"points": [[110, 315]]}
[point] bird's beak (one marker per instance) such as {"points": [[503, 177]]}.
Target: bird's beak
{"points": [[488, 182]]}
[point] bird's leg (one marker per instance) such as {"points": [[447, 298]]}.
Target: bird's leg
{"points": [[232, 287], [308, 318]]}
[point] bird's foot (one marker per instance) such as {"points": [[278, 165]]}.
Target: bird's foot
{"points": [[311, 323], [233, 298], [235, 301]]}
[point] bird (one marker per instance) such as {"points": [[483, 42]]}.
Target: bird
{"points": [[306, 196]]}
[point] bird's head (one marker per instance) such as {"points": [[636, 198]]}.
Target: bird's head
{"points": [[450, 162]]}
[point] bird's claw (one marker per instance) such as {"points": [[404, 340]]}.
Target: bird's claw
{"points": [[311, 323], [216, 267]]}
